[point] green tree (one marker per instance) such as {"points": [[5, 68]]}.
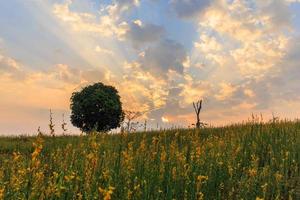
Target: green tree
{"points": [[96, 107]]}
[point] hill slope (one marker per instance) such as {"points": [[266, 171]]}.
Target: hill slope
{"points": [[248, 161]]}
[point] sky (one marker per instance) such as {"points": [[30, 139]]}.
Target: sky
{"points": [[239, 56]]}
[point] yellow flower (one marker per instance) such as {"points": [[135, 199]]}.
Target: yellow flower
{"points": [[163, 156], [79, 196], [278, 176], [129, 194], [36, 152], [106, 174], [55, 174], [287, 153], [16, 156], [137, 187], [94, 145], [1, 193], [258, 198], [220, 163], [200, 196], [252, 172], [106, 193], [264, 188], [202, 178], [198, 152], [90, 156], [69, 178], [155, 140], [38, 146]]}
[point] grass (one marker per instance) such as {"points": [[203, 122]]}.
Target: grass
{"points": [[245, 161]]}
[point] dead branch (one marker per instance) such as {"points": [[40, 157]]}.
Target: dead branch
{"points": [[197, 108]]}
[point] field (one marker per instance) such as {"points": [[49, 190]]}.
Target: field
{"points": [[244, 161]]}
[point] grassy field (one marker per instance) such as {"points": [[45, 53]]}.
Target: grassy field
{"points": [[246, 161]]}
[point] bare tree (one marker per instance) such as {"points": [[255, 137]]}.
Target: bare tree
{"points": [[197, 108], [130, 116]]}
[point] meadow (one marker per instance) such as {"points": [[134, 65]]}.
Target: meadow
{"points": [[253, 160]]}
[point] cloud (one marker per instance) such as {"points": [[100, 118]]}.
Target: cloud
{"points": [[208, 44], [139, 33], [141, 90], [164, 56], [32, 96], [234, 36], [66, 74], [119, 6], [232, 64], [293, 54], [287, 79], [276, 12], [189, 8], [292, 1], [241, 53], [94, 75], [109, 23], [79, 21], [226, 91], [8, 64], [99, 49], [10, 67], [165, 120], [193, 90], [249, 93], [60, 76]]}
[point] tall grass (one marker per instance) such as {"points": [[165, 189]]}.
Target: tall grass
{"points": [[246, 161]]}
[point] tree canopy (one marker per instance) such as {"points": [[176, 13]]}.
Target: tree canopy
{"points": [[96, 107]]}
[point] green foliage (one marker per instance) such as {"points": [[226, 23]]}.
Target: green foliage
{"points": [[247, 161], [96, 108]]}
